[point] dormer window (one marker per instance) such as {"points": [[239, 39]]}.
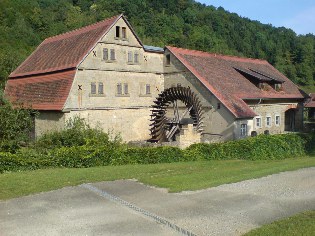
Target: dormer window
{"points": [[260, 79], [262, 86], [278, 87]]}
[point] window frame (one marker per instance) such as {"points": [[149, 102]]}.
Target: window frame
{"points": [[105, 54], [270, 124], [260, 123], [123, 32], [277, 123], [130, 57], [136, 57], [112, 55], [244, 130], [117, 31], [167, 59], [148, 89], [93, 88], [100, 88]]}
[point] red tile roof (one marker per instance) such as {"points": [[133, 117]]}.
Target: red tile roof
{"points": [[64, 51], [218, 73], [311, 101], [44, 79], [41, 92]]}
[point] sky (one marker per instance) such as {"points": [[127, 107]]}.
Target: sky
{"points": [[298, 15]]}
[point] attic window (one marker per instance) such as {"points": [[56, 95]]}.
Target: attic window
{"points": [[168, 60], [124, 32], [117, 31]]}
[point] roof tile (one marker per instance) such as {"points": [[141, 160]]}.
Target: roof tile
{"points": [[41, 92], [218, 74], [64, 51]]}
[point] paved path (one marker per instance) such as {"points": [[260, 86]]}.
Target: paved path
{"points": [[127, 207]]}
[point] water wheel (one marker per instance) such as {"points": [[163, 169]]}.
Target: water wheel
{"points": [[165, 125]]}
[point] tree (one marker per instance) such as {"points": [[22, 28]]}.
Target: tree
{"points": [[16, 124]]}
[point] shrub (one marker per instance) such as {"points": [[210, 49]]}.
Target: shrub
{"points": [[96, 153], [76, 133], [261, 147], [16, 123]]}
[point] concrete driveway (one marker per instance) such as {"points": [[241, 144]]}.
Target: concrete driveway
{"points": [[127, 207]]}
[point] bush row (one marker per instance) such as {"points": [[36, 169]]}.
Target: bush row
{"points": [[262, 147]]}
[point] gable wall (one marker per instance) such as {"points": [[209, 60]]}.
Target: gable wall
{"points": [[127, 114], [219, 123]]}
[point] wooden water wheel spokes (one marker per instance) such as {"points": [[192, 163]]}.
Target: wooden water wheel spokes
{"points": [[163, 128]]}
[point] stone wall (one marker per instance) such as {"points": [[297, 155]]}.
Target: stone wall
{"points": [[48, 121], [130, 124], [218, 121]]}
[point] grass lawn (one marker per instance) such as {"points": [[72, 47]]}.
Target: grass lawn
{"points": [[301, 224], [174, 176]]}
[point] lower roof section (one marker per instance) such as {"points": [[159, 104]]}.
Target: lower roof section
{"points": [[41, 92]]}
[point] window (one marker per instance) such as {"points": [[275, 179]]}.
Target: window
{"points": [[268, 121], [218, 105], [258, 122], [130, 57], [243, 130], [125, 88], [277, 120], [123, 33], [112, 54], [119, 89], [168, 59], [117, 31], [147, 89], [93, 88], [136, 57], [105, 54], [277, 87], [100, 88]]}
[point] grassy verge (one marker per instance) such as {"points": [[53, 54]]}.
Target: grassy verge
{"points": [[301, 224], [174, 176]]}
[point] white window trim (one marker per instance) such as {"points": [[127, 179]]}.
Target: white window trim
{"points": [[268, 125], [276, 120], [258, 117]]}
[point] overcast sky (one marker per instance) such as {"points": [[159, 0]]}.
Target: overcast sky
{"points": [[298, 15]]}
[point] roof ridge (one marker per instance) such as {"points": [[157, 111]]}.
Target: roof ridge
{"points": [[220, 55], [80, 30]]}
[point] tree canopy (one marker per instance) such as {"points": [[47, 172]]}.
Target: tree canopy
{"points": [[24, 24]]}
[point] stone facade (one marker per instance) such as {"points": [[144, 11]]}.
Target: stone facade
{"points": [[118, 81]]}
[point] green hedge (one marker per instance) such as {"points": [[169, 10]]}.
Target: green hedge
{"points": [[263, 147]]}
